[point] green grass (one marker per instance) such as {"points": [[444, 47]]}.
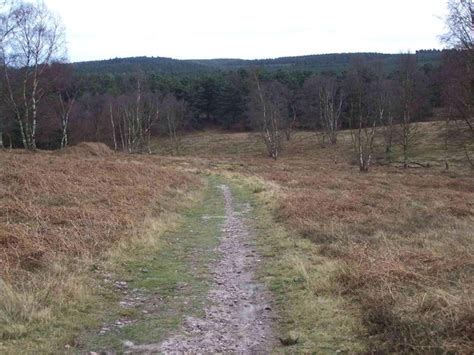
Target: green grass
{"points": [[173, 279]]}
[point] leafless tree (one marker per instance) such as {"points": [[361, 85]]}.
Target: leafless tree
{"points": [[174, 114], [458, 96], [63, 96], [268, 111], [7, 20], [6, 27], [460, 25], [365, 109], [137, 116], [458, 70], [382, 106], [66, 101], [36, 40], [292, 97], [112, 122], [324, 104], [407, 104], [330, 107]]}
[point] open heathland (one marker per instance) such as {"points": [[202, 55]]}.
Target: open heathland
{"points": [[379, 261], [398, 243]]}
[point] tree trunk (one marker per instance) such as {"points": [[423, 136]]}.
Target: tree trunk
{"points": [[114, 136], [23, 134], [64, 138], [405, 150]]}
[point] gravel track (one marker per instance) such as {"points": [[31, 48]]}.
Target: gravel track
{"points": [[238, 318]]}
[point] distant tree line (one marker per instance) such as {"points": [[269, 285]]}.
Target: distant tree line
{"points": [[314, 63], [49, 104]]}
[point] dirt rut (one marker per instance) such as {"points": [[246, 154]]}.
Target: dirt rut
{"points": [[238, 318]]}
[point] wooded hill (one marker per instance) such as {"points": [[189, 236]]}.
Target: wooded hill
{"points": [[314, 63]]}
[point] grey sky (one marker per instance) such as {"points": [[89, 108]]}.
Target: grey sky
{"points": [[102, 29]]}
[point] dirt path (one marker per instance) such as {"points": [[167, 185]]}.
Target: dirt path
{"points": [[239, 317]]}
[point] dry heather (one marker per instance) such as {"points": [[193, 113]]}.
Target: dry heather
{"points": [[397, 243], [66, 214], [87, 149], [402, 240], [76, 203]]}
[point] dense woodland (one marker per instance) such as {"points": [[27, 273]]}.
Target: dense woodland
{"points": [[48, 103], [311, 63]]}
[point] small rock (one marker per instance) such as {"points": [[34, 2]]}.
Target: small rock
{"points": [[128, 344], [291, 339]]}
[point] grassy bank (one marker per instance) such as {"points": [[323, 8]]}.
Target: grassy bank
{"points": [[298, 276], [65, 217]]}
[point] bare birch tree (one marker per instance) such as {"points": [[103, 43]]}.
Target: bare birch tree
{"points": [[112, 122], [66, 101], [36, 41], [174, 119], [364, 114], [137, 116], [63, 96], [407, 104], [382, 106], [330, 107], [268, 113], [459, 75], [324, 102]]}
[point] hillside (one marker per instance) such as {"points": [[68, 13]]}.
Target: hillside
{"points": [[314, 63], [140, 64]]}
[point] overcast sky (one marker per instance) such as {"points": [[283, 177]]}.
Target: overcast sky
{"points": [[185, 29]]}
